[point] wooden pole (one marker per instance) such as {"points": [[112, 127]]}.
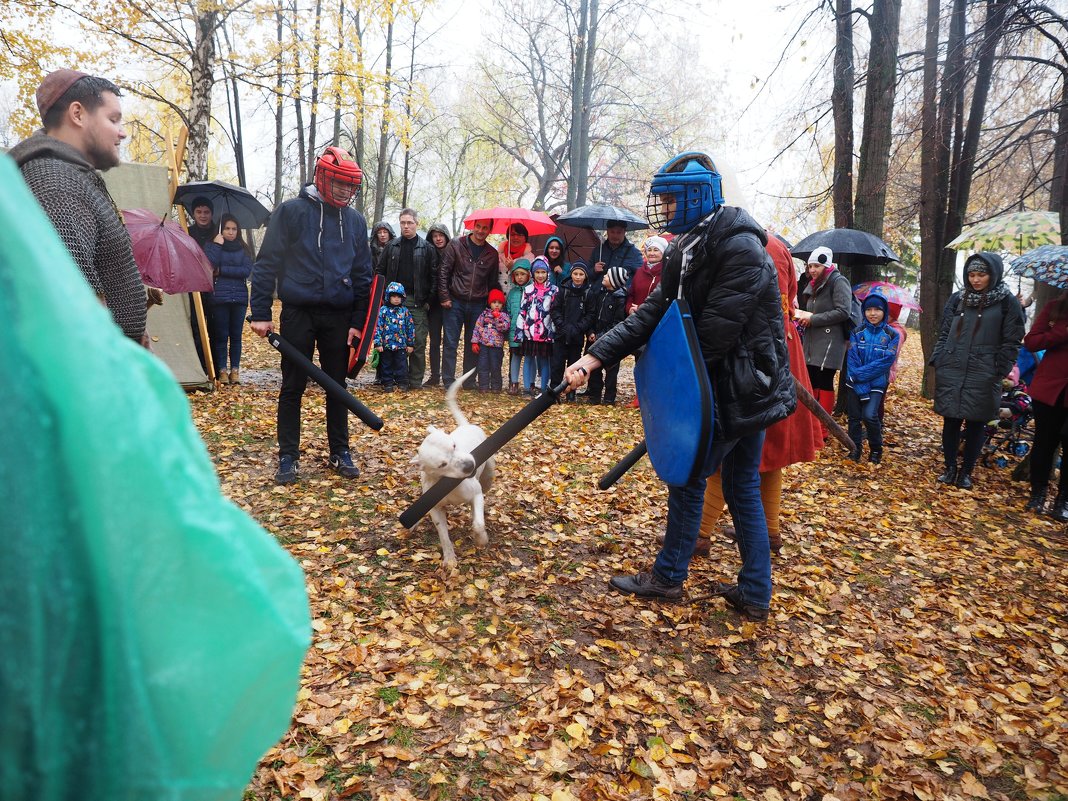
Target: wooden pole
{"points": [[174, 156]]}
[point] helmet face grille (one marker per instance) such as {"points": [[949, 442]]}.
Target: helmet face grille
{"points": [[683, 192], [337, 177]]}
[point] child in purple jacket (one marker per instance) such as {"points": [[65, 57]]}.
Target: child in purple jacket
{"points": [[487, 342]]}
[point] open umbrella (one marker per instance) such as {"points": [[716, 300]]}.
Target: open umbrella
{"points": [[536, 222], [225, 198], [1048, 264], [166, 255], [579, 242], [1017, 230], [892, 292], [849, 246], [598, 215]]}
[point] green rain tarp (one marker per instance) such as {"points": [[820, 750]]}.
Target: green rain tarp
{"points": [[151, 633]]}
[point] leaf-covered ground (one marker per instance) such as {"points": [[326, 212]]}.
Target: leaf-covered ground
{"points": [[917, 646]]}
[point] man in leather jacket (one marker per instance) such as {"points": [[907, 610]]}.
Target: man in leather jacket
{"points": [[717, 263]]}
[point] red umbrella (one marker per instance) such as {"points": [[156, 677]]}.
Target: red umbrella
{"points": [[892, 292], [166, 255], [536, 222]]}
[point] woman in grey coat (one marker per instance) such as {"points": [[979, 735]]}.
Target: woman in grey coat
{"points": [[979, 338], [828, 299]]}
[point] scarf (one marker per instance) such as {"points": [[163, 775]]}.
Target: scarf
{"points": [[980, 300]]}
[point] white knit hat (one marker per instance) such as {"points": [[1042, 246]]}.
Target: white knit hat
{"points": [[821, 255], [657, 242]]}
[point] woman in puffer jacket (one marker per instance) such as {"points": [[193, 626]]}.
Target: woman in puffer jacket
{"points": [[982, 326], [231, 259]]}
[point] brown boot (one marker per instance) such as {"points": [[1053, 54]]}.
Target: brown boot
{"points": [[775, 541], [235, 376], [703, 546], [224, 377]]}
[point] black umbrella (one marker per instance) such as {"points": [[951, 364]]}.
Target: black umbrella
{"points": [[598, 215], [225, 199], [848, 244]]}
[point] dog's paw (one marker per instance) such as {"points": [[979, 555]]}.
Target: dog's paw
{"points": [[481, 540]]}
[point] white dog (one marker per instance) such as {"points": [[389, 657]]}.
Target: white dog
{"points": [[441, 455]]}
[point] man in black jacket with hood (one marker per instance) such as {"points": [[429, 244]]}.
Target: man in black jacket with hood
{"points": [[719, 266]]}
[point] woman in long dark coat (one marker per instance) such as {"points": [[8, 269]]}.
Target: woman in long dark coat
{"points": [[982, 326]]}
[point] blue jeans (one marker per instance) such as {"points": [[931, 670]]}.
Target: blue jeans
{"points": [[739, 465], [532, 364], [866, 412], [515, 361], [463, 314], [228, 320], [394, 365]]}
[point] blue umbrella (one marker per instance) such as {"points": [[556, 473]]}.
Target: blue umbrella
{"points": [[1047, 263]]}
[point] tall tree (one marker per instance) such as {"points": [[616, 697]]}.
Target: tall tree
{"points": [[842, 111]]}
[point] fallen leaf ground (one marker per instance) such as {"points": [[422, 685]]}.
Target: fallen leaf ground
{"points": [[917, 647]]}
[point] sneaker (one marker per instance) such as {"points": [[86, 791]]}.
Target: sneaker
{"points": [[733, 596], [287, 470], [342, 464], [433, 381], [647, 585]]}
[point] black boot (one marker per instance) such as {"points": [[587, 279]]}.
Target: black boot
{"points": [[964, 478], [875, 457], [1036, 501], [950, 474], [1059, 510]]}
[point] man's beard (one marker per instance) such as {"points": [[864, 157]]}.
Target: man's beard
{"points": [[102, 158]]}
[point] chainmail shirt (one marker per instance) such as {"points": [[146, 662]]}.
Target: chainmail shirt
{"points": [[77, 202]]}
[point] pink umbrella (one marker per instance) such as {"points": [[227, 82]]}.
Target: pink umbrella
{"points": [[166, 255], [892, 292]]}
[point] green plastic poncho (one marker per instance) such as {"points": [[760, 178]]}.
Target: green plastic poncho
{"points": [[151, 633]]}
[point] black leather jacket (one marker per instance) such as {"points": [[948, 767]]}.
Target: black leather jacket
{"points": [[424, 265], [732, 290]]}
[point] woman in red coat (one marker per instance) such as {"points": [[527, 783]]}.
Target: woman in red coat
{"points": [[790, 441], [1049, 394]]}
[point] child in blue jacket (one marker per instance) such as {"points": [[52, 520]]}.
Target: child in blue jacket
{"points": [[394, 338], [872, 351]]}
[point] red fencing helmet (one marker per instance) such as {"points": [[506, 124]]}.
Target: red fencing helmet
{"points": [[337, 177]]}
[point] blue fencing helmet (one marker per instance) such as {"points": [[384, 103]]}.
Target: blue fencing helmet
{"points": [[683, 192]]}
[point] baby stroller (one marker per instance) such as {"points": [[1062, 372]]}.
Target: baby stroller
{"points": [[1011, 432]]}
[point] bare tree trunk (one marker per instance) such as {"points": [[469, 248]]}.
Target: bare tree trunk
{"points": [[383, 136], [842, 106], [335, 140], [408, 116], [587, 106], [278, 106], [1058, 192], [881, 85], [931, 226], [361, 112], [202, 79], [316, 46], [578, 84], [235, 117]]}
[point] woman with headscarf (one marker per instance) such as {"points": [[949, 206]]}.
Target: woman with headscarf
{"points": [[555, 252], [980, 334]]}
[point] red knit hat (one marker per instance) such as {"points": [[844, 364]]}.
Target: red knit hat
{"points": [[496, 295]]}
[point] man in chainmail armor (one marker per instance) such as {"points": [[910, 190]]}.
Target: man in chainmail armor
{"points": [[82, 132]]}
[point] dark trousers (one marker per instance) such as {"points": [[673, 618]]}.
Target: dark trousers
{"points": [[564, 353], [462, 314], [822, 377], [435, 319], [394, 364], [603, 377], [974, 435], [206, 302], [228, 321], [866, 413], [308, 328], [489, 367], [1050, 422]]}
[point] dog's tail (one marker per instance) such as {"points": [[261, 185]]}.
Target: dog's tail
{"points": [[450, 399]]}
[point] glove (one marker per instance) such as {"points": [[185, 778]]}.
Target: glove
{"points": [[474, 347]]}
